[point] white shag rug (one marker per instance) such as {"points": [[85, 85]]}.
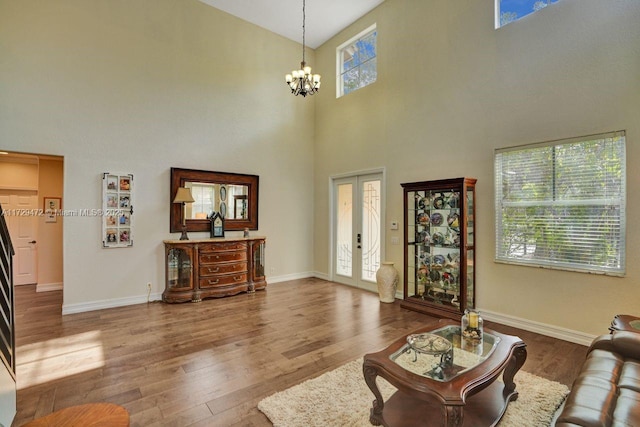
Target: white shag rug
{"points": [[341, 398]]}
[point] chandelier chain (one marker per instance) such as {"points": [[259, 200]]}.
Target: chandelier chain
{"points": [[302, 81], [304, 16]]}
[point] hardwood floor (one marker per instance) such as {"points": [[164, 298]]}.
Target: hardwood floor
{"points": [[210, 363]]}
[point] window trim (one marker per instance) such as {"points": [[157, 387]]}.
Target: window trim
{"points": [[564, 264], [339, 83]]}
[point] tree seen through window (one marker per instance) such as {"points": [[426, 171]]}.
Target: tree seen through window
{"points": [[512, 10], [562, 205]]}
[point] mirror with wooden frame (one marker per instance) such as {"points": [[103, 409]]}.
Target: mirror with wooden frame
{"points": [[234, 195]]}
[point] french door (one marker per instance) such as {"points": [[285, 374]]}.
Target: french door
{"points": [[357, 229]]}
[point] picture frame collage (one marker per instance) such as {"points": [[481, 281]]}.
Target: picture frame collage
{"points": [[117, 210]]}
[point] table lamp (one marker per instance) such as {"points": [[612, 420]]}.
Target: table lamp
{"points": [[183, 195]]}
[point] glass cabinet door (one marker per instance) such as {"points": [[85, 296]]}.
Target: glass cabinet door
{"points": [[258, 260], [178, 269], [435, 223], [470, 209]]}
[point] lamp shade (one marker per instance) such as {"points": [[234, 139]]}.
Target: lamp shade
{"points": [[183, 195]]}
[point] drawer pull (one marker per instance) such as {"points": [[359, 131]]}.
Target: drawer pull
{"points": [[237, 278], [214, 270], [214, 282]]}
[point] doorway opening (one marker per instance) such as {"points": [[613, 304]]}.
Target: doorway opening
{"points": [[27, 182]]}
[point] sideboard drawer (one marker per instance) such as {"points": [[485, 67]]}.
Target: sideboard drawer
{"points": [[216, 269], [229, 279], [216, 257], [223, 246]]}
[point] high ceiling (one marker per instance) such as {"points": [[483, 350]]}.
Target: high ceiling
{"points": [[325, 18]]}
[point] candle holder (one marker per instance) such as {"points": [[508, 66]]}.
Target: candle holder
{"points": [[471, 327]]}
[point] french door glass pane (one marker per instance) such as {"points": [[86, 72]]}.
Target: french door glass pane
{"points": [[344, 230], [370, 229]]}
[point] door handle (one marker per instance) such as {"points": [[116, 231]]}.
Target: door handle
{"points": [[33, 241], [359, 240]]}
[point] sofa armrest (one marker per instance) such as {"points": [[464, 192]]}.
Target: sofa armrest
{"points": [[625, 343]]}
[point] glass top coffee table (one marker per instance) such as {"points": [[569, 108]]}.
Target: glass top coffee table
{"points": [[444, 379]]}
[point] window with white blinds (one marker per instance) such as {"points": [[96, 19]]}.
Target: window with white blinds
{"points": [[561, 204]]}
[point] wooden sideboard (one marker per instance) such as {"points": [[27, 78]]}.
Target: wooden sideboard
{"points": [[211, 268]]}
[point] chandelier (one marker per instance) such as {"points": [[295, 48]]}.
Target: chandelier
{"points": [[301, 81]]}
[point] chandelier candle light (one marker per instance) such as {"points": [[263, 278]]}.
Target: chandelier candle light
{"points": [[301, 81]]}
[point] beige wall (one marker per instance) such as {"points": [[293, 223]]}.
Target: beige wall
{"points": [[451, 89], [140, 87], [50, 180], [18, 173]]}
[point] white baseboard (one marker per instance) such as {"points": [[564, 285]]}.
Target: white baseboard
{"points": [[564, 334], [141, 299], [111, 303], [46, 287], [319, 275], [504, 319], [576, 337], [287, 277]]}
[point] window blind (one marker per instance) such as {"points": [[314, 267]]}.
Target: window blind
{"points": [[561, 204]]}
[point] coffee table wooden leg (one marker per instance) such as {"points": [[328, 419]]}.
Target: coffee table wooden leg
{"points": [[370, 374], [516, 360], [453, 416]]}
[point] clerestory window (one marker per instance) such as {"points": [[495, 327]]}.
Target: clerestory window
{"points": [[508, 11], [357, 62]]}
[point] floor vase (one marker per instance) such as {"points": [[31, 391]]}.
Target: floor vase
{"points": [[387, 280]]}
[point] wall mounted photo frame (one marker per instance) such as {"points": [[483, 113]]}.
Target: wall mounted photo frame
{"points": [[51, 208], [117, 210]]}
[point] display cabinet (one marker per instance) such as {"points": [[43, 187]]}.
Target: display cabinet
{"points": [[208, 268], [439, 246]]}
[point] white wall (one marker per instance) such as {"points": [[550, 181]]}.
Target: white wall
{"points": [[7, 397], [140, 87], [451, 89]]}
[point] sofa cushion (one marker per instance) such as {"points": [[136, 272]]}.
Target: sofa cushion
{"points": [[627, 411], [602, 364], [591, 403], [623, 343], [630, 376], [606, 393]]}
